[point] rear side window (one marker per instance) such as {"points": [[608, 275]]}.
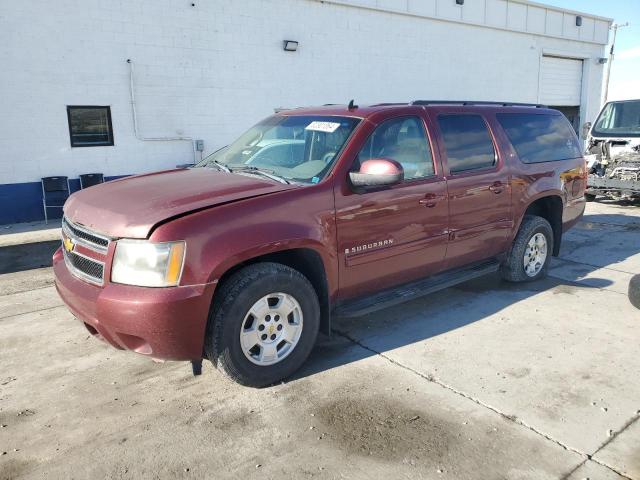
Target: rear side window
{"points": [[467, 142], [540, 138]]}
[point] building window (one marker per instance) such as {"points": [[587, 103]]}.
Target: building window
{"points": [[90, 126]]}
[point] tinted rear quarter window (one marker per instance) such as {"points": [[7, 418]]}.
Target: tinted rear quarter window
{"points": [[540, 138], [467, 142]]}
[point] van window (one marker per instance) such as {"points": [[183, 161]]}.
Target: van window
{"points": [[467, 142], [619, 119], [540, 138]]}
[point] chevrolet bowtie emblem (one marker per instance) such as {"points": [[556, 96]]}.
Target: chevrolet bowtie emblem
{"points": [[68, 244]]}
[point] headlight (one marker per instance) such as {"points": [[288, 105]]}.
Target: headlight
{"points": [[146, 264]]}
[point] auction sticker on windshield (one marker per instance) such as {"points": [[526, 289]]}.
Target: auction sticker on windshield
{"points": [[327, 127]]}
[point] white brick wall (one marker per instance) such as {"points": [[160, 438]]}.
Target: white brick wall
{"points": [[211, 70]]}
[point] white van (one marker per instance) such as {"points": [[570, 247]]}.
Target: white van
{"points": [[613, 151]]}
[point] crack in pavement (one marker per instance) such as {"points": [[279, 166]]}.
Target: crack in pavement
{"points": [[630, 422], [30, 289], [577, 467], [574, 469], [446, 386], [33, 311], [511, 418], [611, 439]]}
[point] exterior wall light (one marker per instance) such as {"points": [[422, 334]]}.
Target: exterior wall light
{"points": [[290, 45], [459, 2], [578, 21], [602, 60]]}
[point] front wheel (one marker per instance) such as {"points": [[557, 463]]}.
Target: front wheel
{"points": [[531, 251], [264, 324]]}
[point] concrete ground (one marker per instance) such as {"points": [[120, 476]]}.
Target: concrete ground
{"points": [[484, 381]]}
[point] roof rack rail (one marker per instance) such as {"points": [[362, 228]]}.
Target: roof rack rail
{"points": [[472, 102], [388, 104], [284, 109]]}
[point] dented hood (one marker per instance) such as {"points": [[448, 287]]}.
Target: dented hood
{"points": [[132, 206]]}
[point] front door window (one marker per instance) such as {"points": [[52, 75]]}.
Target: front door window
{"points": [[403, 140]]}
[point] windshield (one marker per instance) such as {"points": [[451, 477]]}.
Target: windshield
{"points": [[297, 148], [619, 119]]}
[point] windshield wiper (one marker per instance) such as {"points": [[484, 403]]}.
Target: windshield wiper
{"points": [[221, 166], [260, 171]]}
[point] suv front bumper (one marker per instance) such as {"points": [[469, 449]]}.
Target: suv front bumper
{"points": [[164, 323]]}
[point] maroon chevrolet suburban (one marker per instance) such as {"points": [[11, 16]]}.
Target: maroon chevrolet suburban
{"points": [[315, 213]]}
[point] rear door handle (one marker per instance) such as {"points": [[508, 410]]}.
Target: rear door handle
{"points": [[430, 200], [497, 187]]}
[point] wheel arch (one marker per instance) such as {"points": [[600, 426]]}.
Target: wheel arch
{"points": [[307, 261], [549, 207]]}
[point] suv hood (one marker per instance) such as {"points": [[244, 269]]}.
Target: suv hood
{"points": [[132, 206]]}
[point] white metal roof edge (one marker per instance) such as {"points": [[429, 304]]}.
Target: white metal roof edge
{"points": [[563, 10], [348, 3]]}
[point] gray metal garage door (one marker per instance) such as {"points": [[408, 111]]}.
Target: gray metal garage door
{"points": [[560, 81]]}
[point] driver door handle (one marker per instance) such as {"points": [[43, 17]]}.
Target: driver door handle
{"points": [[497, 187]]}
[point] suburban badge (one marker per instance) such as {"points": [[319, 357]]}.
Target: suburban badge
{"points": [[368, 246]]}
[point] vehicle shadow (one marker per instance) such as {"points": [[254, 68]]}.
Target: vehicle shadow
{"points": [[629, 213], [27, 246], [604, 240], [27, 256], [419, 320], [635, 202], [476, 300]]}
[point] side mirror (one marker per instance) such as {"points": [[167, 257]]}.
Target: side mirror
{"points": [[586, 128], [377, 172]]}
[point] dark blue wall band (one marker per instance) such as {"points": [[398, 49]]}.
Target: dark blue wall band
{"points": [[22, 202]]}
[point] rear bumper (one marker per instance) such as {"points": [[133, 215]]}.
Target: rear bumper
{"points": [[166, 323], [573, 211]]}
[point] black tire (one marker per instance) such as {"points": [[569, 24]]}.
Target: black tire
{"points": [[590, 197], [634, 291], [235, 297], [513, 268]]}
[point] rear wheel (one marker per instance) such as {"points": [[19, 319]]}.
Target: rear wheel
{"points": [[264, 325], [589, 197], [531, 251]]}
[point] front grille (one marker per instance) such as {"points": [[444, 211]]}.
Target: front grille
{"points": [[88, 269], [86, 236], [83, 265]]}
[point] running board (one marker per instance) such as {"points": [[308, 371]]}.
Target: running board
{"points": [[411, 291]]}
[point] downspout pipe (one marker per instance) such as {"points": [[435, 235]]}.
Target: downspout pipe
{"points": [[134, 114]]}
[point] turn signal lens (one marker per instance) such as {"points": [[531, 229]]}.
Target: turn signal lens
{"points": [[175, 263]]}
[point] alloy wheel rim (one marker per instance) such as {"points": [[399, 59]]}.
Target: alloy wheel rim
{"points": [[271, 329], [535, 255]]}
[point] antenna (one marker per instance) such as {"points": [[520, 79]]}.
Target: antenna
{"points": [[615, 28], [352, 105]]}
